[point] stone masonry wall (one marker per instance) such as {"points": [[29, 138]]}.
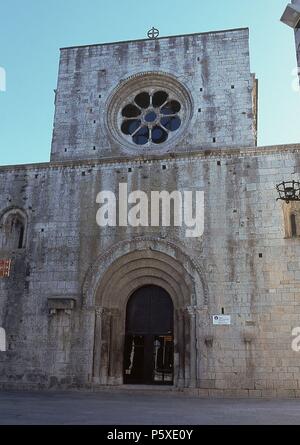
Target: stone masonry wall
{"points": [[214, 67], [250, 268]]}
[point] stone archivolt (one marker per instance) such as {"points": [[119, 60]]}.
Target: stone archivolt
{"points": [[128, 266]]}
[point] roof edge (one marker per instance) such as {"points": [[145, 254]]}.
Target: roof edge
{"points": [[204, 153], [158, 38]]}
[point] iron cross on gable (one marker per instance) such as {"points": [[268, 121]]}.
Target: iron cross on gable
{"points": [[153, 33]]}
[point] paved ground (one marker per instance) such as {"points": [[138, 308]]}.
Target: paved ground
{"points": [[96, 408]]}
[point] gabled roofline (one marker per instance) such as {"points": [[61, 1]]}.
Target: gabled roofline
{"points": [[159, 38]]}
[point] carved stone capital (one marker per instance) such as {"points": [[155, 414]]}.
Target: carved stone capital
{"points": [[192, 310], [99, 311]]}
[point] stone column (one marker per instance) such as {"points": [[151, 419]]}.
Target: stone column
{"points": [[179, 351], [191, 310], [187, 347], [97, 344], [203, 329], [116, 354], [105, 346]]}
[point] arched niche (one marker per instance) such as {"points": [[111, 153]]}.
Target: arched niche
{"points": [[13, 229]]}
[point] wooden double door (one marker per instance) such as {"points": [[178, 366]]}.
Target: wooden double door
{"points": [[149, 341]]}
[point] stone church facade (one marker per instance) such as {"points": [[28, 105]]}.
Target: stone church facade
{"points": [[90, 306]]}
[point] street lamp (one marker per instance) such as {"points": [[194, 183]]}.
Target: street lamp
{"points": [[288, 191]]}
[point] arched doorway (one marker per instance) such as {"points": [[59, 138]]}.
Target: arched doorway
{"points": [[149, 348], [115, 276]]}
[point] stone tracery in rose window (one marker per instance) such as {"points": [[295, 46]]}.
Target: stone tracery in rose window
{"points": [[151, 117]]}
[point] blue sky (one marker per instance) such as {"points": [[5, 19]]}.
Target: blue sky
{"points": [[32, 31]]}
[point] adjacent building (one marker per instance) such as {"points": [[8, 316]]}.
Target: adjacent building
{"points": [[291, 17]]}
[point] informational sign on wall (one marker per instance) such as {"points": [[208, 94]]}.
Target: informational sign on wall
{"points": [[5, 266], [2, 340], [221, 319]]}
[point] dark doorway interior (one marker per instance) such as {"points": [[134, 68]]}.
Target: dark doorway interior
{"points": [[148, 351]]}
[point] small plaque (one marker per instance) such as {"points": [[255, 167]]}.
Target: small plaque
{"points": [[5, 266], [61, 303], [222, 320]]}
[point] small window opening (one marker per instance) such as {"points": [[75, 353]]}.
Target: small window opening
{"points": [[223, 311], [15, 232], [293, 225], [214, 140], [21, 237]]}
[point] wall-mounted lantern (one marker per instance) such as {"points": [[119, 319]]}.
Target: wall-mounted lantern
{"points": [[289, 191]]}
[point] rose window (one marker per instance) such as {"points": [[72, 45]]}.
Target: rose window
{"points": [[151, 117], [148, 112]]}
